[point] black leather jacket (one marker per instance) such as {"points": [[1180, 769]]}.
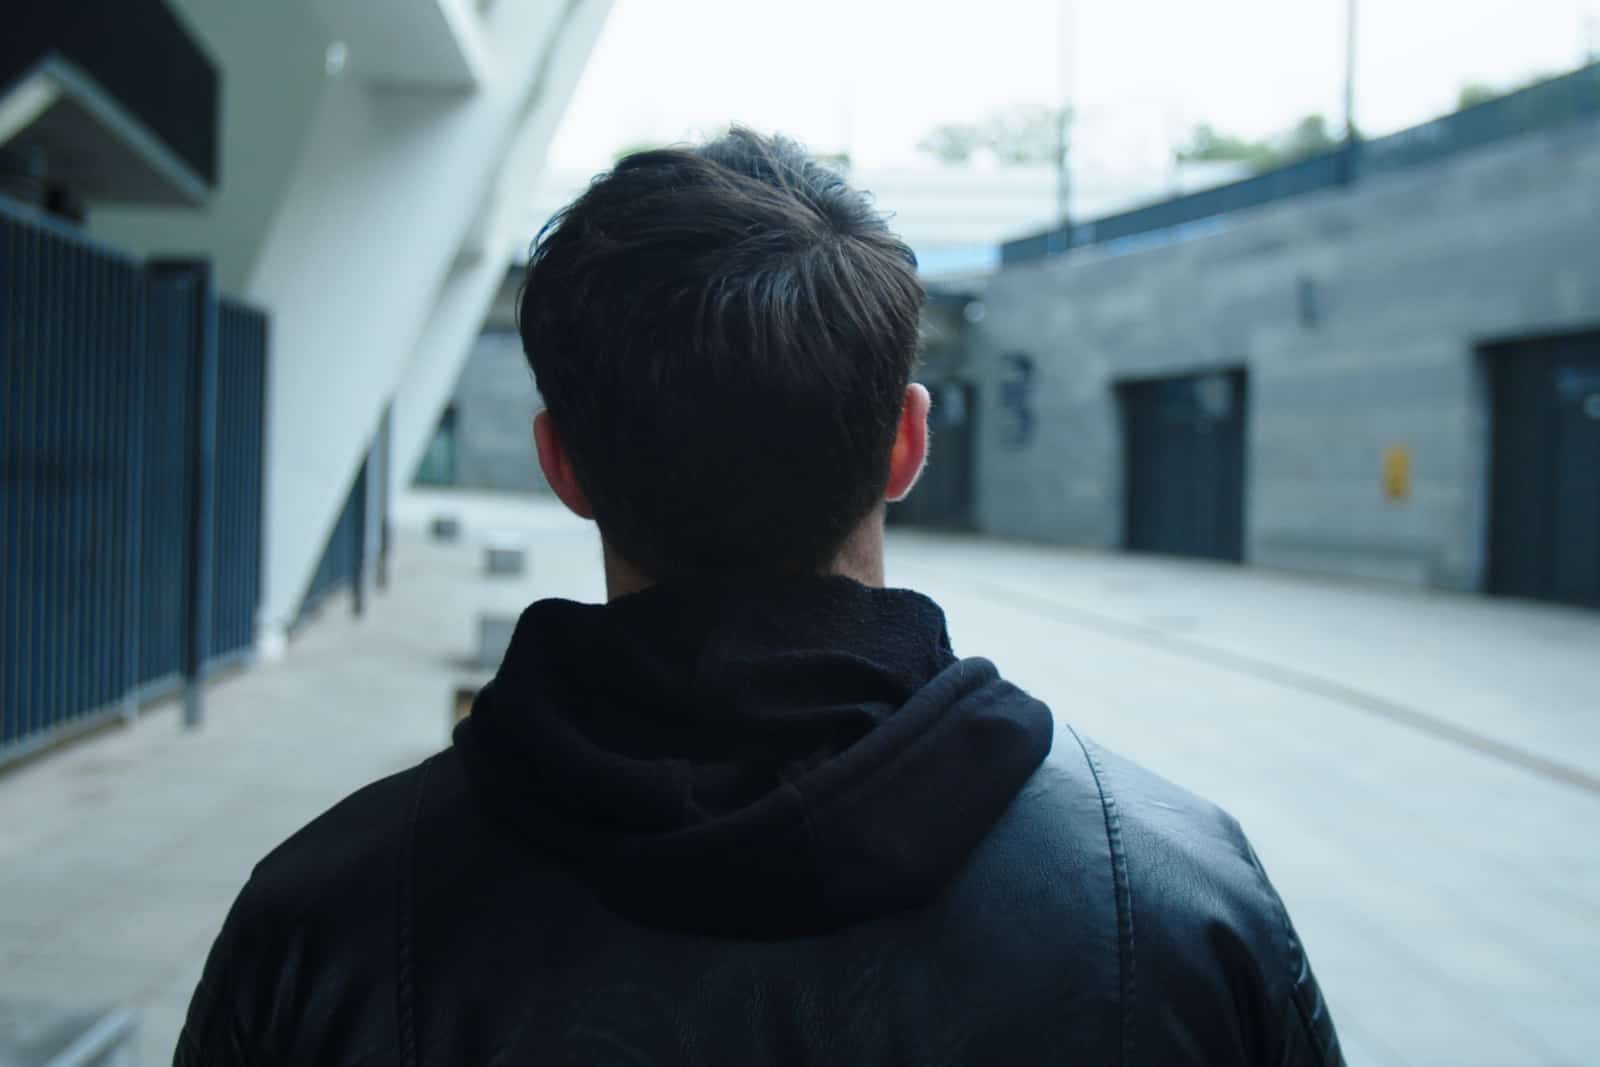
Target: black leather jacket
{"points": [[1099, 914]]}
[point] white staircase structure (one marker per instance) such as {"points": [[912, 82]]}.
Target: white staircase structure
{"points": [[377, 160]]}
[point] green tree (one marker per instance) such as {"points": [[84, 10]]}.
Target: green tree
{"points": [[1309, 137], [1474, 93], [1207, 144], [954, 142], [1021, 136]]}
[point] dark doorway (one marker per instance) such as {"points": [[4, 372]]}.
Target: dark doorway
{"points": [[1183, 446], [438, 466], [943, 496], [1544, 525]]}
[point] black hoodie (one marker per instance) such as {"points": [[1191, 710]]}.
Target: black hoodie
{"points": [[772, 824], [761, 761]]}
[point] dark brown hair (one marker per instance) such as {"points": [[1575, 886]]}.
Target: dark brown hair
{"points": [[723, 336]]}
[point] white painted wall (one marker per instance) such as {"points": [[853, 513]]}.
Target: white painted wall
{"points": [[500, 234], [364, 211], [391, 184]]}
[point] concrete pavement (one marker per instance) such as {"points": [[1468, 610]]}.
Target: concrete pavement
{"points": [[1417, 770], [1400, 759]]}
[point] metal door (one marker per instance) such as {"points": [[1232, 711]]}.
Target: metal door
{"points": [[1544, 534], [1183, 450]]}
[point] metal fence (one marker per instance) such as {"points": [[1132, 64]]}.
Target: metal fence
{"points": [[1546, 105], [131, 469], [237, 478], [343, 557], [359, 541], [1549, 104], [166, 490]]}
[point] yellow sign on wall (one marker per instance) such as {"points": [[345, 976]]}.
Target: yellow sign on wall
{"points": [[1397, 472]]}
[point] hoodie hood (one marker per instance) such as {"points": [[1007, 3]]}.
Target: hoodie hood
{"points": [[754, 761]]}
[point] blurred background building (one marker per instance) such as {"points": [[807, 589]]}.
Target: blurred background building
{"points": [[1381, 361], [285, 241], [1375, 358], [1299, 286]]}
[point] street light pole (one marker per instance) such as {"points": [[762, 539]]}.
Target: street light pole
{"points": [[1063, 116], [1063, 174], [1350, 71]]}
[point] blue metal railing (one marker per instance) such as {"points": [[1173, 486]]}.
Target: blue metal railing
{"points": [[342, 560], [360, 534], [241, 427], [101, 520], [165, 487], [1307, 175], [1548, 104]]}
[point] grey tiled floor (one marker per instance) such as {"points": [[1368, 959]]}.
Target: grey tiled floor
{"points": [[1416, 770]]}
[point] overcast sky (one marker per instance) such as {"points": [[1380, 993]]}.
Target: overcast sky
{"points": [[872, 76]]}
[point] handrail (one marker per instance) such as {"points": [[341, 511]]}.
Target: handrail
{"points": [[1543, 106]]}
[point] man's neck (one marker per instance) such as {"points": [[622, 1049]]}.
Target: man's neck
{"points": [[861, 559]]}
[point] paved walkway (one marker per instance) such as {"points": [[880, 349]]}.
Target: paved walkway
{"points": [[1420, 772]]}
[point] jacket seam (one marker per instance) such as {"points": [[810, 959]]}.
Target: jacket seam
{"points": [[405, 933], [1309, 1030], [1297, 997], [1296, 957], [1123, 890]]}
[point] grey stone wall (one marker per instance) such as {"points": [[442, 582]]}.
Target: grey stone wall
{"points": [[1358, 313]]}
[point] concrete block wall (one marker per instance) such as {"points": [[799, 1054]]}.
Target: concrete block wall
{"points": [[1359, 314]]}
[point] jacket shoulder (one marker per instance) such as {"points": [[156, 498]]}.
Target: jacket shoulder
{"points": [[339, 851], [1211, 959], [321, 906]]}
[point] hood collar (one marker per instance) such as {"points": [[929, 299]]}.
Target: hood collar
{"points": [[760, 759]]}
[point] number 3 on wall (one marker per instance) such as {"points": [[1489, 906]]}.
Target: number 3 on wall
{"points": [[1016, 396]]}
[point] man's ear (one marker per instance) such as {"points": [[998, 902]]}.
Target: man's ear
{"points": [[557, 467], [910, 450]]}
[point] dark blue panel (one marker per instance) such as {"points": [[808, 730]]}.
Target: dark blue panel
{"points": [[237, 483], [341, 556], [67, 462], [1548, 104], [98, 427], [164, 487], [118, 44], [12, 384]]}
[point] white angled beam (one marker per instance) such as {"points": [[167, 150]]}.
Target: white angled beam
{"points": [[417, 44], [362, 266], [499, 236]]}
